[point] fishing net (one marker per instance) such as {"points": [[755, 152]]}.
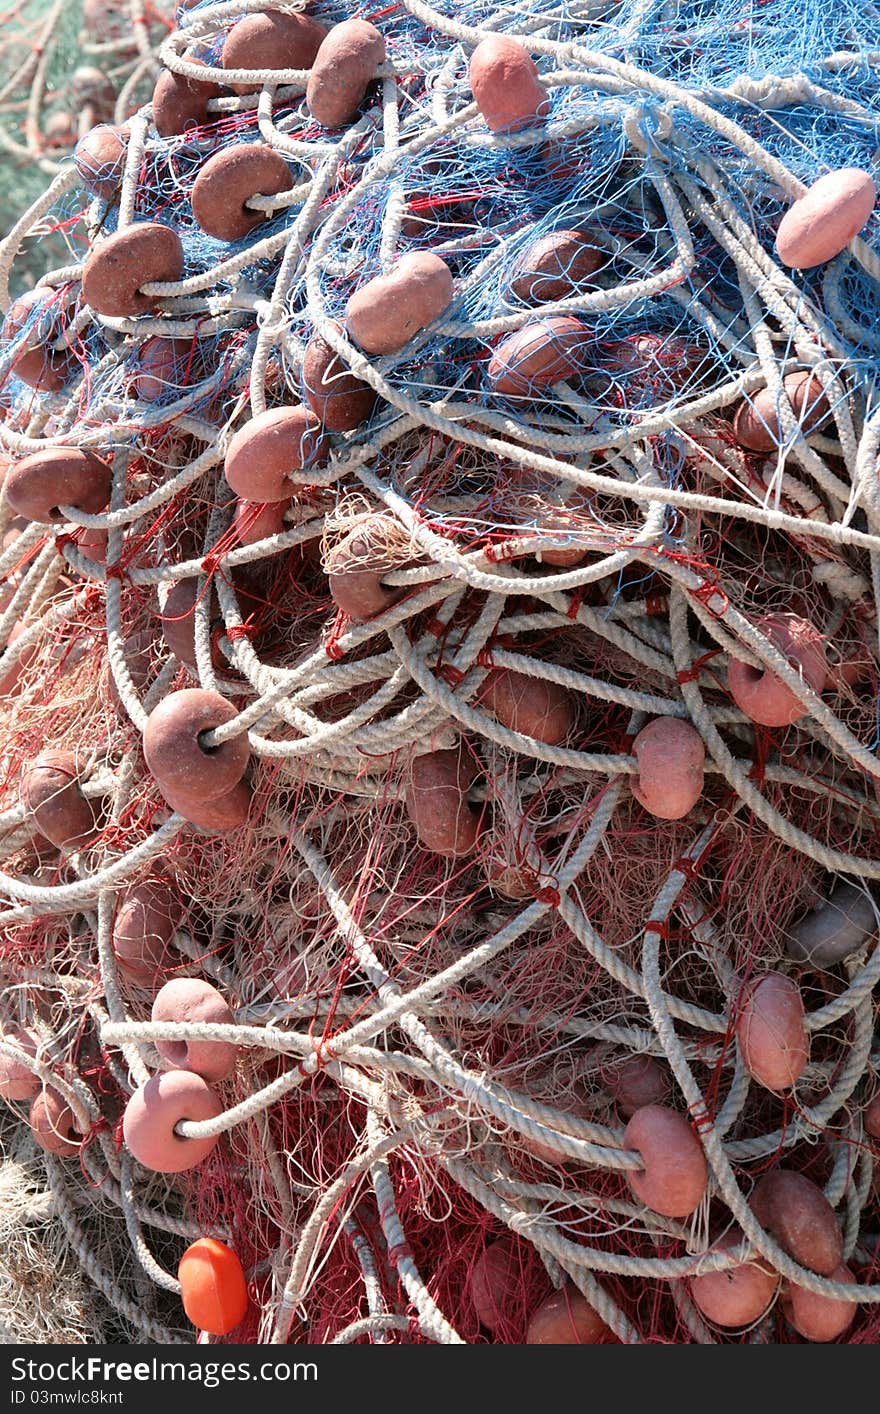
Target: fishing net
{"points": [[63, 68], [463, 940]]}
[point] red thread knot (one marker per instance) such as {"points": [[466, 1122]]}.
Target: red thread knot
{"points": [[705, 593], [401, 1252], [211, 563], [497, 554], [450, 675], [658, 927], [337, 629], [687, 867], [693, 672], [700, 1119], [549, 895]]}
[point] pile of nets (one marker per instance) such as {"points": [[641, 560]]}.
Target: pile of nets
{"points": [[64, 67], [440, 585]]}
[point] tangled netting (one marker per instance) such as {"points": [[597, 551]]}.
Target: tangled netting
{"points": [[430, 1041], [64, 67]]}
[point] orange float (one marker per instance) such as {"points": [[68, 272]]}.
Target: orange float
{"points": [[212, 1286]]}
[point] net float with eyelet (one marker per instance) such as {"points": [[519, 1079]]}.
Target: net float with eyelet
{"points": [[59, 130], [92, 544], [826, 218], [564, 559], [52, 797], [37, 364], [772, 1034], [567, 1318], [180, 102], [437, 803], [674, 1176], [159, 368], [670, 754], [819, 1318], [115, 270], [212, 1286], [494, 1281], [17, 1080], [389, 310], [430, 217], [372, 548], [146, 919], [334, 394], [506, 86], [541, 353], [649, 369], [219, 816], [99, 158], [189, 999], [106, 19], [178, 621], [837, 927], [94, 91], [512, 868], [757, 691], [227, 182], [635, 1081], [756, 423], [562, 520], [556, 267], [54, 1125], [154, 1111], [258, 520], [871, 1117], [533, 706], [176, 755], [566, 160], [12, 675], [342, 71], [39, 485], [274, 39], [737, 1296], [795, 1212], [269, 449]]}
